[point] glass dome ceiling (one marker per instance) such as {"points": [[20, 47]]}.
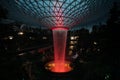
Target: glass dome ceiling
{"points": [[65, 13]]}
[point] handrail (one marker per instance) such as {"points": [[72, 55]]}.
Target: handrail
{"points": [[43, 47]]}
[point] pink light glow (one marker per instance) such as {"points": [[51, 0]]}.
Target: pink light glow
{"points": [[59, 28], [59, 38], [58, 16], [51, 66]]}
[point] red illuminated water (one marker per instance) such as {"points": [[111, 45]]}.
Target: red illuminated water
{"points": [[51, 66], [59, 39]]}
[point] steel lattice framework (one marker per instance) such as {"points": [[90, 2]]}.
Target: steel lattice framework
{"points": [[62, 12]]}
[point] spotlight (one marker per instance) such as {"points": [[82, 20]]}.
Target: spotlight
{"points": [[20, 33]]}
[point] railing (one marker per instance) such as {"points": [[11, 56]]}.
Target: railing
{"points": [[36, 48]]}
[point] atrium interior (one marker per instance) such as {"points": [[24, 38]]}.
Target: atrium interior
{"points": [[59, 39]]}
